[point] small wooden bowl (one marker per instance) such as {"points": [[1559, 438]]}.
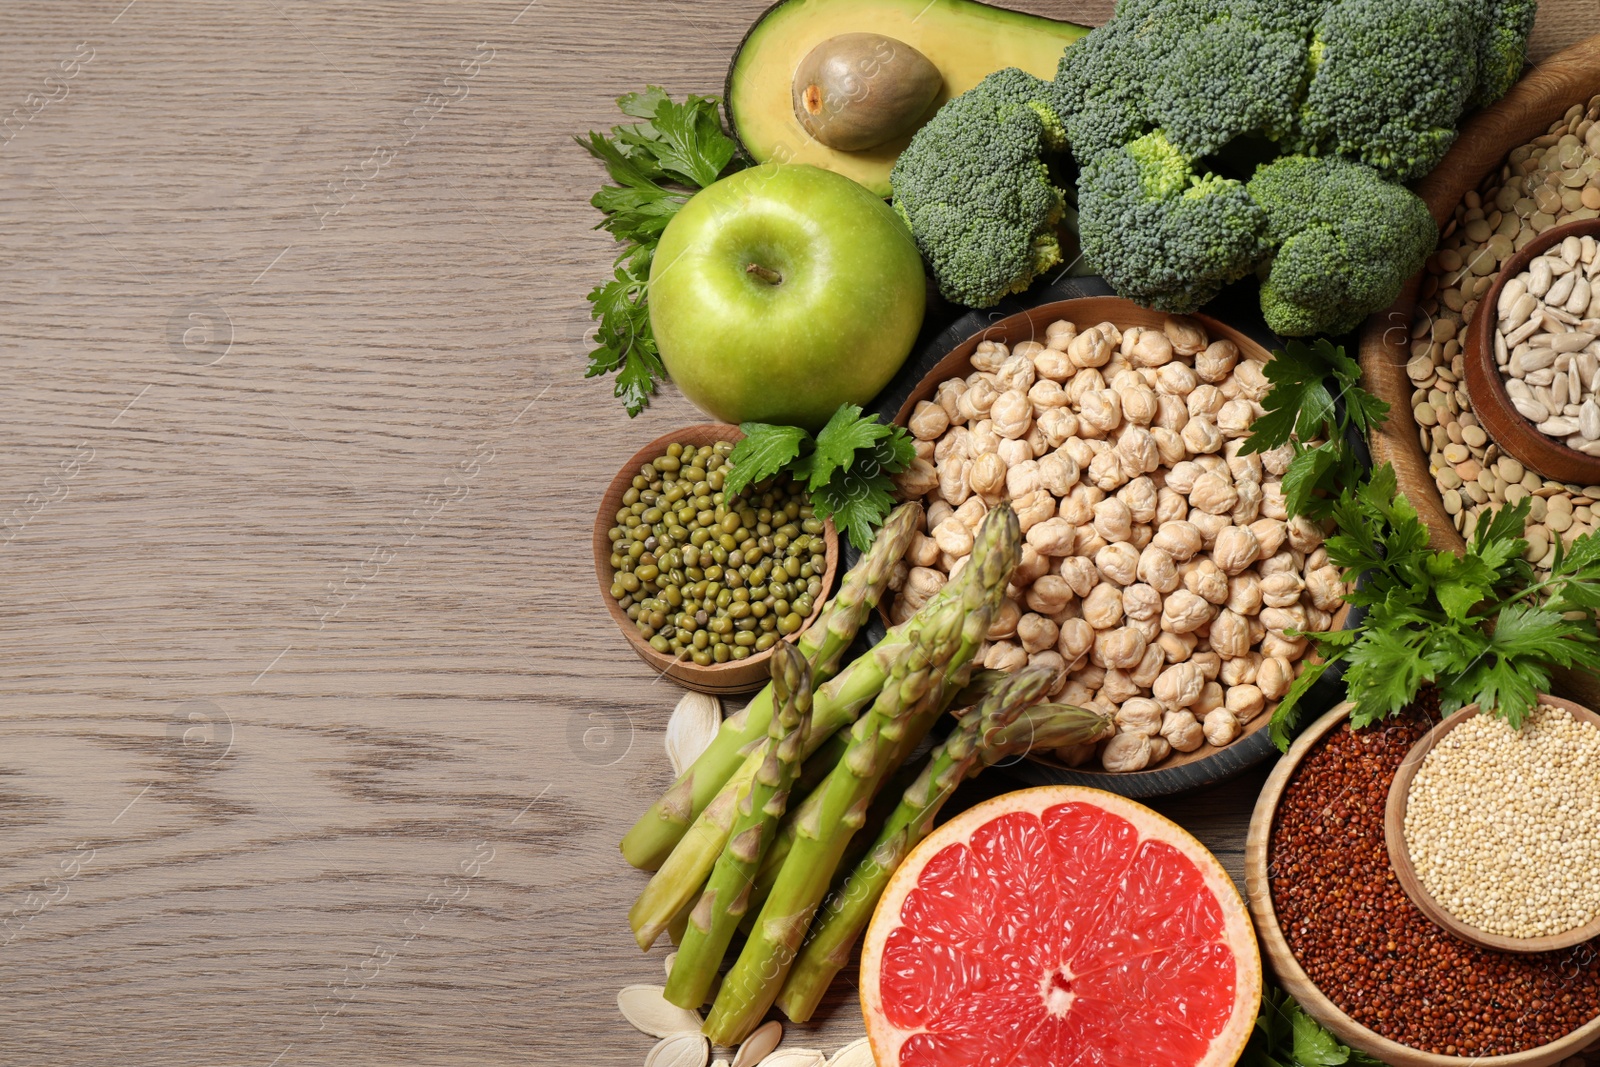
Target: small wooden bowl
{"points": [[1180, 770], [1394, 834], [1507, 426], [1293, 978], [735, 676]]}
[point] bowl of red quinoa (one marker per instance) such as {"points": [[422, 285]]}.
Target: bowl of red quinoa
{"points": [[1347, 942]]}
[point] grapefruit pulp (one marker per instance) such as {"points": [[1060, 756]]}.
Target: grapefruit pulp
{"points": [[1060, 927]]}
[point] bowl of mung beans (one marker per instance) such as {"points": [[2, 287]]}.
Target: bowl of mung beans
{"points": [[703, 586]]}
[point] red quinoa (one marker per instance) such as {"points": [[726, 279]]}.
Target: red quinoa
{"points": [[1369, 949]]}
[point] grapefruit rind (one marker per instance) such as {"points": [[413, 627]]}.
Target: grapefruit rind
{"points": [[1238, 933]]}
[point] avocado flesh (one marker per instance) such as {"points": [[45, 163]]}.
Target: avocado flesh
{"points": [[964, 39]]}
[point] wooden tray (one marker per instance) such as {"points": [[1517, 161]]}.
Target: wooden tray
{"points": [[1293, 978], [1526, 112], [1088, 301]]}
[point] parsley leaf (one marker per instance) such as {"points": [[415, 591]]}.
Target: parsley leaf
{"points": [[847, 467], [765, 450], [1285, 1036], [657, 164], [1477, 625], [1300, 407]]}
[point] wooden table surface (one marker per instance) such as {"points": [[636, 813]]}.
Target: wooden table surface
{"points": [[317, 739]]}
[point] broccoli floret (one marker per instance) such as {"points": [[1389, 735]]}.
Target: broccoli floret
{"points": [[1163, 234], [1104, 78], [1504, 49], [1346, 241], [976, 192], [1390, 79]]}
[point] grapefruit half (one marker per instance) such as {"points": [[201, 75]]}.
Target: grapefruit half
{"points": [[1060, 927]]}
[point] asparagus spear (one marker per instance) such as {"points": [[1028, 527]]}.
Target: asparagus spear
{"points": [[937, 665], [659, 830], [1001, 726], [716, 915], [835, 705]]}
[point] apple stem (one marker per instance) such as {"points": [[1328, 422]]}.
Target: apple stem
{"points": [[766, 274]]}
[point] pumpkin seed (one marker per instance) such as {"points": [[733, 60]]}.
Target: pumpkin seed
{"points": [[759, 1044], [648, 1010], [680, 1050], [796, 1057], [855, 1054], [693, 724]]}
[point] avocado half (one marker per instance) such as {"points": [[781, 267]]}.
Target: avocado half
{"points": [[964, 39]]}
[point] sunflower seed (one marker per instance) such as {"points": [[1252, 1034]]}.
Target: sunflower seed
{"points": [[647, 1009], [795, 1057], [693, 724], [759, 1044], [855, 1054], [680, 1050]]}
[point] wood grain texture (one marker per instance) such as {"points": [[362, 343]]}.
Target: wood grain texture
{"points": [[317, 740]]}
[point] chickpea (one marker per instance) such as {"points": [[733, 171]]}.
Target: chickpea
{"points": [[1036, 633], [1304, 535], [1243, 467], [898, 574], [1092, 348], [1252, 378], [1236, 548], [1179, 540], [1053, 364], [1182, 731], [1280, 561], [1106, 472], [1177, 647], [1140, 405], [975, 402], [1275, 461], [1177, 379], [1080, 450], [1012, 452], [1102, 608], [1169, 444], [1034, 508], [1187, 335], [989, 355], [1005, 656], [1082, 384], [1273, 504], [953, 484], [1091, 676], [1140, 715], [1278, 644], [1247, 508], [1113, 519], [1125, 753], [1240, 671], [1056, 425], [1274, 676], [1325, 586], [1144, 675], [1235, 418], [1136, 448], [1158, 570], [1204, 400], [1174, 415], [1016, 372], [1217, 361], [1046, 395], [1051, 661], [1277, 620], [1100, 409], [953, 537], [1053, 537], [1149, 349], [1119, 563], [1230, 634], [921, 584], [1245, 701], [1012, 413], [918, 480], [1143, 499], [1074, 641], [1060, 333], [928, 421], [1031, 567], [957, 441], [1023, 478], [1206, 580], [1281, 590], [1048, 595], [1141, 602], [1184, 612], [947, 395], [1213, 494], [1088, 543], [981, 438], [1121, 648], [1080, 574], [1270, 535], [1178, 686], [1182, 476], [937, 511], [1221, 727], [1244, 594], [1202, 435], [1209, 525], [1004, 622]]}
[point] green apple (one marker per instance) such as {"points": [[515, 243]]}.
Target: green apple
{"points": [[783, 291]]}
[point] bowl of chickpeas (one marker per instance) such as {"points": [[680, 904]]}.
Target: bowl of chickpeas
{"points": [[703, 584], [1161, 574]]}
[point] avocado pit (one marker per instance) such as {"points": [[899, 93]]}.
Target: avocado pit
{"points": [[859, 90]]}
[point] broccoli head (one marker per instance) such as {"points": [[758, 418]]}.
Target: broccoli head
{"points": [[1389, 79], [1346, 240], [975, 190], [1161, 233]]}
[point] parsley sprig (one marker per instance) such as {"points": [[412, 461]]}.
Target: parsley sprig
{"points": [[846, 467], [1285, 1036], [1479, 625], [658, 164], [1301, 408]]}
